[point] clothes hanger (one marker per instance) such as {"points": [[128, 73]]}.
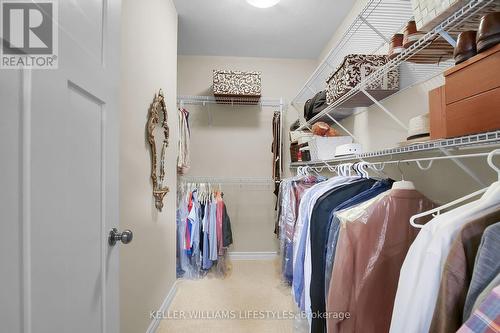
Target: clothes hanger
{"points": [[491, 193], [363, 167], [403, 184], [437, 211]]}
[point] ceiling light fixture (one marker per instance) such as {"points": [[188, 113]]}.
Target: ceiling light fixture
{"points": [[263, 3]]}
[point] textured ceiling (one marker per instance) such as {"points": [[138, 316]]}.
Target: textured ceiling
{"points": [[291, 29]]}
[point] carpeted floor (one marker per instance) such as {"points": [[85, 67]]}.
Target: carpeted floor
{"points": [[251, 298]]}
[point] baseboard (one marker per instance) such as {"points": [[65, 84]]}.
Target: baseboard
{"points": [[253, 255], [153, 326]]}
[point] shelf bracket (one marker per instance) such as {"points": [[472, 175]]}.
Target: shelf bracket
{"points": [[389, 113], [340, 125], [374, 29], [462, 166], [446, 36]]}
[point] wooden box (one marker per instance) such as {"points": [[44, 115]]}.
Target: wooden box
{"points": [[472, 95], [236, 87], [437, 111]]}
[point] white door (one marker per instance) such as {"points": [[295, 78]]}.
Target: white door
{"points": [[59, 181]]}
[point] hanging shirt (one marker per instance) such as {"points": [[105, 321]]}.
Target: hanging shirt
{"points": [[183, 159], [187, 241], [287, 228], [183, 266], [486, 266], [486, 319], [220, 211], [206, 262], [457, 274], [212, 231], [194, 219], [227, 233], [484, 294], [420, 274], [300, 237], [369, 255]]}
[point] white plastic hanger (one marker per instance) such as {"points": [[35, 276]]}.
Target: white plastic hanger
{"points": [[493, 192], [437, 211], [403, 184], [490, 197]]}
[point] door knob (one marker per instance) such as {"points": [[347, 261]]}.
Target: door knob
{"points": [[125, 237]]}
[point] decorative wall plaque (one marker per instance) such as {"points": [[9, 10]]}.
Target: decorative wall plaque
{"points": [[158, 109]]}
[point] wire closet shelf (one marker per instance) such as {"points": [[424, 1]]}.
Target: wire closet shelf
{"points": [[235, 101], [482, 140], [370, 33], [227, 180]]}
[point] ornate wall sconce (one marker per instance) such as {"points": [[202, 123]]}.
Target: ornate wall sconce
{"points": [[158, 108]]}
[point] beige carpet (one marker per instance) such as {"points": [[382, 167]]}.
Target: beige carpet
{"points": [[249, 297]]}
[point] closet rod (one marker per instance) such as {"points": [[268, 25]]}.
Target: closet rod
{"points": [[447, 157], [228, 180]]}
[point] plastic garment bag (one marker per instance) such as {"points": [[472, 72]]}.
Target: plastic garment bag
{"points": [[380, 187], [187, 263], [200, 243], [369, 255], [286, 219], [291, 191]]}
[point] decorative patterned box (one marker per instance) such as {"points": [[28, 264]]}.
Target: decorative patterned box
{"points": [[235, 87], [354, 69]]}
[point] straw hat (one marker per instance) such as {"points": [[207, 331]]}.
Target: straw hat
{"points": [[418, 130]]}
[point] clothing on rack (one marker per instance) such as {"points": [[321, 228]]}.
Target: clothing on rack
{"points": [[204, 230], [358, 251], [370, 252], [457, 274], [301, 241], [183, 160], [314, 214], [276, 149], [424, 270], [290, 193], [486, 267], [315, 255]]}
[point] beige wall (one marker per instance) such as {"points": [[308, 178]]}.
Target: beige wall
{"points": [[337, 35], [149, 60], [375, 130], [238, 143]]}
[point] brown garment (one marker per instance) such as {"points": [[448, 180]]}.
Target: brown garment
{"points": [[457, 274], [276, 147], [370, 253]]}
